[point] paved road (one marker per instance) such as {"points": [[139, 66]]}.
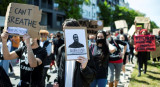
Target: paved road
{"points": [[123, 82]]}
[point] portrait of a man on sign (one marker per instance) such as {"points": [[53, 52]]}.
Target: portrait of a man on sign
{"points": [[76, 43]]}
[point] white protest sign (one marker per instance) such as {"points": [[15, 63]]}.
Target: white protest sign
{"points": [[155, 31], [125, 30], [23, 16], [132, 30], [142, 19], [76, 42], [106, 29], [17, 30], [121, 24]]}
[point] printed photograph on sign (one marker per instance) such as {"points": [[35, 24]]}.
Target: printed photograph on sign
{"points": [[76, 43]]}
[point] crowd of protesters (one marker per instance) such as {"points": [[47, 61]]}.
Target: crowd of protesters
{"points": [[109, 53]]}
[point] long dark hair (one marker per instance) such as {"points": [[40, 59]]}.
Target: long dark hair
{"points": [[105, 49]]}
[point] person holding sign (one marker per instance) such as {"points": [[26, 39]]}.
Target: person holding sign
{"points": [[115, 60], [31, 56], [142, 56], [79, 73], [100, 52]]}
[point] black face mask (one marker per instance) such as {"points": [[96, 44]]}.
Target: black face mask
{"points": [[58, 36], [100, 41]]}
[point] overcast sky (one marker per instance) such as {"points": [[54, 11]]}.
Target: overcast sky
{"points": [[150, 7]]}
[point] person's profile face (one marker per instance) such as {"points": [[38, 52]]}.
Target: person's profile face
{"points": [[75, 38]]}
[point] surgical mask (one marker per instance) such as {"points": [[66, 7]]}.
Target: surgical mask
{"points": [[43, 38], [109, 39], [92, 40]]}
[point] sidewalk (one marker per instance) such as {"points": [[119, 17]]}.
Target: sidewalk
{"points": [[122, 83]]}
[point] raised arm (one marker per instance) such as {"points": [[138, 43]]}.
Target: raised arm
{"points": [[33, 61], [6, 54]]}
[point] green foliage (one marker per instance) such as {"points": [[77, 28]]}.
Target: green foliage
{"points": [[123, 13], [72, 7], [105, 13], [153, 25], [4, 4]]}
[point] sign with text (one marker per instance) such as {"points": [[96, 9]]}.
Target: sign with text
{"points": [[144, 43], [76, 42], [155, 31], [17, 30], [121, 24], [92, 25], [23, 16], [132, 30], [142, 19]]}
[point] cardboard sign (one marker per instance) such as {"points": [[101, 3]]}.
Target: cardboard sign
{"points": [[132, 30], [155, 31], [125, 30], [144, 43], [147, 26], [106, 29], [92, 25], [76, 42], [23, 16], [121, 24], [142, 19]]}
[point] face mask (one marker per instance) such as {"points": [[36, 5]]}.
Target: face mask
{"points": [[109, 39], [93, 41], [58, 36], [100, 41], [44, 39]]}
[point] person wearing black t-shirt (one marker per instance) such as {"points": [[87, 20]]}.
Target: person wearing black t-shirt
{"points": [[31, 56]]}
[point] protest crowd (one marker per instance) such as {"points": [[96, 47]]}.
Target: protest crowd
{"points": [[107, 54]]}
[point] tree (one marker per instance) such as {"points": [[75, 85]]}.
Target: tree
{"points": [[72, 7], [153, 25], [123, 13], [105, 13], [4, 4]]}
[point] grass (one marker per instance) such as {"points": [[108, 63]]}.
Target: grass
{"points": [[150, 79]]}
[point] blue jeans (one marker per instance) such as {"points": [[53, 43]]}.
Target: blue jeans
{"points": [[99, 82], [5, 65]]}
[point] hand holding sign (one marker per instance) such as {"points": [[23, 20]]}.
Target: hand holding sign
{"points": [[4, 36], [83, 61], [26, 39]]}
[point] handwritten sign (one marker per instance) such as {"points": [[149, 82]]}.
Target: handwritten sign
{"points": [[155, 31], [23, 16], [121, 24], [144, 43], [92, 25], [142, 19]]}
